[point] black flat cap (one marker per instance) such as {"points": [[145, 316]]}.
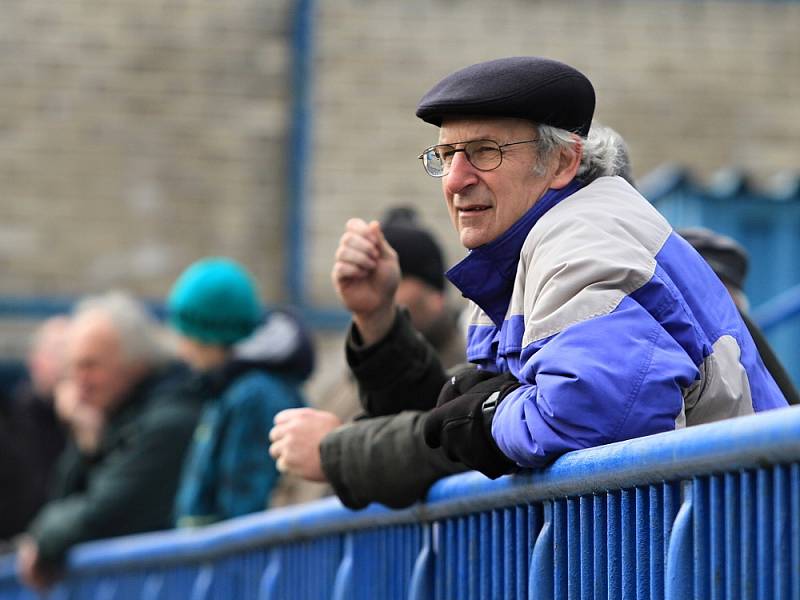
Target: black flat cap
{"points": [[526, 87]]}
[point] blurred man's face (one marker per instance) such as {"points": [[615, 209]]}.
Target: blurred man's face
{"points": [[97, 364], [424, 303], [46, 358], [484, 204]]}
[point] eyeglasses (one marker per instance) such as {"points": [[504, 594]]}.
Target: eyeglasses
{"points": [[484, 155]]}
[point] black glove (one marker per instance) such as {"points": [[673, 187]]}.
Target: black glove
{"points": [[461, 423]]}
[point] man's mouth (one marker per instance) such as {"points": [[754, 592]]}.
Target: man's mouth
{"points": [[472, 209]]}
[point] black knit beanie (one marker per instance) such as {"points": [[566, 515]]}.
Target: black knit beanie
{"points": [[419, 254]]}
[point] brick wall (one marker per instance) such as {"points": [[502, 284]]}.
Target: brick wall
{"points": [[137, 136], [706, 84]]}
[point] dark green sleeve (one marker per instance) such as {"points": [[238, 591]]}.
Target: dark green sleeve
{"points": [[384, 459], [400, 372], [130, 489]]}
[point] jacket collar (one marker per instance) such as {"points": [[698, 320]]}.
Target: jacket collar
{"points": [[486, 275]]}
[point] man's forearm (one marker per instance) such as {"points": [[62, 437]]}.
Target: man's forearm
{"points": [[384, 460], [400, 372]]}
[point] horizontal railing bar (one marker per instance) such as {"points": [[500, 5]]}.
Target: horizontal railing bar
{"points": [[742, 443]]}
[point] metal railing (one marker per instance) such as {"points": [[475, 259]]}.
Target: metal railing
{"points": [[707, 512]]}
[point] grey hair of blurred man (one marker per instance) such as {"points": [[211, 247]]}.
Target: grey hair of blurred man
{"points": [[142, 338], [605, 153]]}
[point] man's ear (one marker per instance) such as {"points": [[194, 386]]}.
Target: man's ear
{"points": [[569, 159]]}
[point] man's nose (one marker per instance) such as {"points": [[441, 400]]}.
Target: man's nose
{"points": [[461, 175]]}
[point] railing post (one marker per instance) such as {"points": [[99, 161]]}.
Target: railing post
{"points": [[153, 584], [421, 584], [268, 587], [343, 585], [202, 583], [106, 590], [540, 575], [679, 576]]}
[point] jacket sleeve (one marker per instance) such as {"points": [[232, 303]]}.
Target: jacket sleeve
{"points": [[130, 490], [247, 471], [608, 378], [400, 372], [384, 460]]}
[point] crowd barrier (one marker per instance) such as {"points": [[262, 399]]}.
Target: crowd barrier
{"points": [[707, 512]]}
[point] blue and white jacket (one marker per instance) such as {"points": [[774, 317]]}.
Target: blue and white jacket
{"points": [[613, 324]]}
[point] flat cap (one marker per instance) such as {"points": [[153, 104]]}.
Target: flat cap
{"points": [[727, 257], [526, 87]]}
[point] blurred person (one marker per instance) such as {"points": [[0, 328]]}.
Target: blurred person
{"points": [[730, 262], [215, 310], [591, 321], [119, 370], [379, 459], [32, 434]]}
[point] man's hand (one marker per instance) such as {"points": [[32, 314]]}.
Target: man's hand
{"points": [[85, 422], [32, 573], [366, 274], [459, 425], [296, 438]]}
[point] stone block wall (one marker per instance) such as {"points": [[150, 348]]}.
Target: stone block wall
{"points": [[138, 136]]}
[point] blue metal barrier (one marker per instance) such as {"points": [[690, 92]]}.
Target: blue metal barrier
{"points": [[707, 512]]}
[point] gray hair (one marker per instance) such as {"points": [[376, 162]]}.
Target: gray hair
{"points": [[142, 338], [604, 151]]}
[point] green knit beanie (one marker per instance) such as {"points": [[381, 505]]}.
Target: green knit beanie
{"points": [[215, 301]]}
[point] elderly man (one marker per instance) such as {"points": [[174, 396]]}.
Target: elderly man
{"points": [[133, 418], [592, 321]]}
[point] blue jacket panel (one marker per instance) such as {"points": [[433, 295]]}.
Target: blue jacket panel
{"points": [[228, 471]]}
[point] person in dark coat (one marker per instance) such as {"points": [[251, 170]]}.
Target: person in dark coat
{"points": [[131, 414], [382, 458], [31, 434], [730, 262]]}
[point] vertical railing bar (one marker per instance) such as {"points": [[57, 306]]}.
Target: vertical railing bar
{"points": [[780, 532], [656, 519], [464, 581], [509, 550], [765, 559], [421, 583], [794, 512], [700, 528], [747, 541], [441, 568], [573, 564], [520, 555], [560, 551], [487, 556], [642, 515], [716, 516], [614, 553], [456, 559], [541, 571], [732, 552], [628, 539], [586, 547], [678, 576], [600, 537]]}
